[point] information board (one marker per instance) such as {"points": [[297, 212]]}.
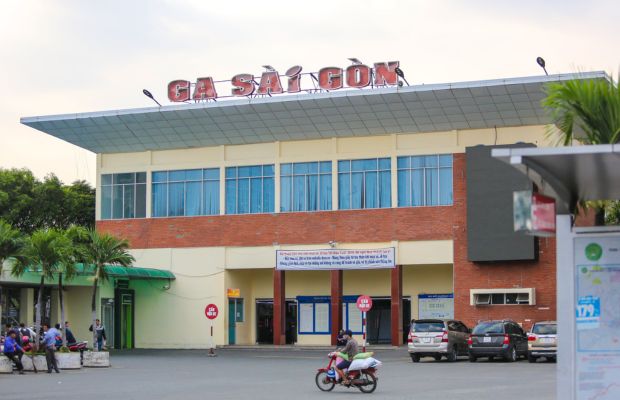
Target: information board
{"points": [[334, 259], [597, 316], [435, 306]]}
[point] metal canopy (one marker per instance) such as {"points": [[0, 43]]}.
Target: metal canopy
{"points": [[341, 113], [569, 174], [128, 273]]}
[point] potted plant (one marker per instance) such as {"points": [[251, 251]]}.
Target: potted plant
{"points": [[33, 361], [6, 365], [67, 359]]}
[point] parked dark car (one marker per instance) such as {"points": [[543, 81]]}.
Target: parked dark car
{"points": [[437, 338], [503, 338]]}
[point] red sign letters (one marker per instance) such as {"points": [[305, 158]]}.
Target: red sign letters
{"points": [[270, 82]]}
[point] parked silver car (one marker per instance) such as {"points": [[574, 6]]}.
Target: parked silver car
{"points": [[437, 338], [542, 341]]}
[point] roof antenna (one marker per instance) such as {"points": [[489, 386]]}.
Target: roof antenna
{"points": [[541, 62], [150, 96]]}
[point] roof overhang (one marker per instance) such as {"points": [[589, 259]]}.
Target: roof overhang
{"points": [[116, 271], [343, 113], [569, 174]]}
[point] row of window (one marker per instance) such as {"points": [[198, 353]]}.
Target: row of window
{"points": [[422, 181]]}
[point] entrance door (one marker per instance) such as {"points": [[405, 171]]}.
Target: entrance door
{"points": [[232, 324], [378, 320], [124, 314], [107, 319], [264, 321], [291, 322]]}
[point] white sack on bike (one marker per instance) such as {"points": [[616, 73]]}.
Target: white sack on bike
{"points": [[364, 364]]}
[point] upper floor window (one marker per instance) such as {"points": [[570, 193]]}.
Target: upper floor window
{"points": [[425, 180], [306, 186], [250, 189], [186, 192], [364, 183], [123, 195]]}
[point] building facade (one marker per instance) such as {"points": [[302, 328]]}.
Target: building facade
{"points": [[211, 192]]}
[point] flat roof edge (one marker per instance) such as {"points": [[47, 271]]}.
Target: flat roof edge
{"points": [[317, 96]]}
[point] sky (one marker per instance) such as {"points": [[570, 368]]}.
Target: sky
{"points": [[70, 56]]}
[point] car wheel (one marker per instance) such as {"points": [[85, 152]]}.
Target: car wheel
{"points": [[452, 354], [472, 358], [512, 355], [491, 358], [415, 357], [552, 359], [531, 358], [437, 357]]}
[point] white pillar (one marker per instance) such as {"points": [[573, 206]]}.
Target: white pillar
{"points": [[565, 281]]}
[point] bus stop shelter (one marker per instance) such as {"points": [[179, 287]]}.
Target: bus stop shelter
{"points": [[588, 264]]}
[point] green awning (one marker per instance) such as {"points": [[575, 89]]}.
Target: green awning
{"points": [[116, 271]]}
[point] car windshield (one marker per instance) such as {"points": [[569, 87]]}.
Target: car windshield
{"points": [[489, 327], [428, 326], [545, 329]]}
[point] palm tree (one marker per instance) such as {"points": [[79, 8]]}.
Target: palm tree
{"points": [[77, 236], [103, 249], [11, 244], [587, 111], [47, 252]]}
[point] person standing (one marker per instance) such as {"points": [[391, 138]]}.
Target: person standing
{"points": [[100, 333], [49, 341], [69, 335], [13, 350]]}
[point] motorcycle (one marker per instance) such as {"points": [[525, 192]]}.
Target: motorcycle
{"points": [[79, 346], [364, 379]]}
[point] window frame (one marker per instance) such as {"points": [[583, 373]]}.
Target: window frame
{"points": [[203, 180], [112, 184], [319, 173], [349, 171], [438, 167]]}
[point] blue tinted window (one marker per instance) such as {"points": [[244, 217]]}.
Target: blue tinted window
{"points": [[367, 184], [425, 180], [186, 192], [123, 195], [250, 190], [304, 188]]}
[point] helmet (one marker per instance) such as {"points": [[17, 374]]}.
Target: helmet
{"points": [[25, 339]]}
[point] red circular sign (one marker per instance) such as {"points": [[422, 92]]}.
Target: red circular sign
{"points": [[211, 311], [364, 303]]}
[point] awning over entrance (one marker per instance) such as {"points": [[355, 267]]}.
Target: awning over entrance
{"points": [[569, 174], [128, 273]]}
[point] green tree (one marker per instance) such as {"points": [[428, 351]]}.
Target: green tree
{"points": [[46, 252], [29, 204], [11, 244], [103, 249], [587, 111]]}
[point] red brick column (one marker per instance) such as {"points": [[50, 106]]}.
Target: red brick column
{"points": [[397, 308], [279, 308], [336, 303]]}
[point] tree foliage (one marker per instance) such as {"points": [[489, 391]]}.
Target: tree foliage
{"points": [[30, 204], [588, 111]]}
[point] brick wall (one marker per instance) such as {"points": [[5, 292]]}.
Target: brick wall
{"points": [[378, 225]]}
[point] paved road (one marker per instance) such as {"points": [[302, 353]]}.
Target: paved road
{"points": [[289, 374]]}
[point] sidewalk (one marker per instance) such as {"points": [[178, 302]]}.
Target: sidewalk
{"points": [[291, 347]]}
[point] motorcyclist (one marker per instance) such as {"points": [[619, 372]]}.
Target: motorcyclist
{"points": [[350, 349]]}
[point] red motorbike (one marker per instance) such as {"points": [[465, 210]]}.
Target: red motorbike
{"points": [[365, 379]]}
